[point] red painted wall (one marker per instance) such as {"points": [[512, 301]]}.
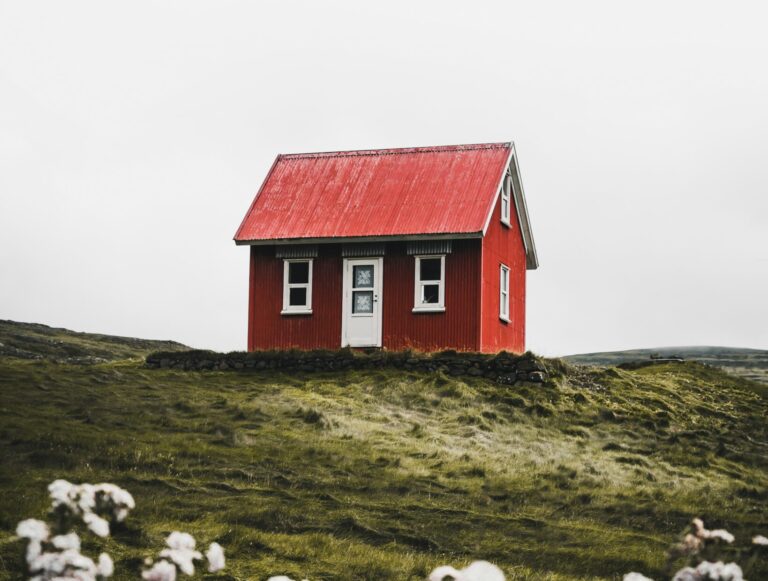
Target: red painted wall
{"points": [[268, 329], [457, 328], [502, 244]]}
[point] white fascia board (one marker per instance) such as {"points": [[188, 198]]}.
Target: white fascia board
{"points": [[521, 209], [531, 258], [498, 189]]}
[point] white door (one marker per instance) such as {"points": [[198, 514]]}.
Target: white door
{"points": [[361, 311]]}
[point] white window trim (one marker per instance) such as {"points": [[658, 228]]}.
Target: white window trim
{"points": [[418, 306], [504, 293], [296, 310], [506, 200]]}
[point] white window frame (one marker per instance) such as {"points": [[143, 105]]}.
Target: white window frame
{"points": [[289, 309], [504, 293], [505, 207], [418, 305]]}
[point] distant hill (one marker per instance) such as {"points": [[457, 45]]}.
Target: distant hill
{"points": [[748, 363], [36, 341]]}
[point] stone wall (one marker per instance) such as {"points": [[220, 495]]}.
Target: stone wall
{"points": [[503, 367]]}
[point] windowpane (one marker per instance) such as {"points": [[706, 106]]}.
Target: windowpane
{"points": [[363, 276], [430, 269], [430, 294], [298, 273], [297, 297], [362, 302], [504, 293]]}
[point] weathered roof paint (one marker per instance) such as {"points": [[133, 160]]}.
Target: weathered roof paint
{"points": [[444, 191]]}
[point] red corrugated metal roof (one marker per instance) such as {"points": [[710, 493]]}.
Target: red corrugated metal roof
{"points": [[385, 192]]}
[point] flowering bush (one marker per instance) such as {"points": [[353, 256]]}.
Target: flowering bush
{"points": [[53, 552], [700, 545]]}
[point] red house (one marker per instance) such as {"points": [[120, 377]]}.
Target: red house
{"points": [[422, 248]]}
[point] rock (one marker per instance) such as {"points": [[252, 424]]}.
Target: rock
{"points": [[536, 377], [528, 365], [475, 371]]}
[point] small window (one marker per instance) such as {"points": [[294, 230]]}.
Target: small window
{"points": [[506, 200], [297, 287], [504, 293], [429, 294]]}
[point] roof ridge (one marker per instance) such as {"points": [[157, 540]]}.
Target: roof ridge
{"points": [[396, 150]]}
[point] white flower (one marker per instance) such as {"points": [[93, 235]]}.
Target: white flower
{"points": [[60, 491], [34, 548], [119, 497], [183, 558], [477, 571], [51, 563], [760, 540], [687, 574], [181, 541], [160, 571], [711, 572], [33, 529], [182, 551], [215, 556], [64, 542], [86, 497], [636, 577], [69, 563], [106, 566], [721, 535], [731, 572], [96, 524]]}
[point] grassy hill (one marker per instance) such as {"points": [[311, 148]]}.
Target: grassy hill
{"points": [[36, 341], [748, 363], [384, 474]]}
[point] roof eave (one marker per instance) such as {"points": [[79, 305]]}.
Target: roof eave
{"points": [[350, 239]]}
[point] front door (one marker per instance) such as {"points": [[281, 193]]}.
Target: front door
{"points": [[361, 311]]}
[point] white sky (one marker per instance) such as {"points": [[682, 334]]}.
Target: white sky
{"points": [[134, 135]]}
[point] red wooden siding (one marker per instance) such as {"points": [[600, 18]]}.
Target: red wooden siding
{"points": [[457, 327], [268, 329], [503, 245]]}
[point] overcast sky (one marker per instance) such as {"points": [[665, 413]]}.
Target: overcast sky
{"points": [[134, 135]]}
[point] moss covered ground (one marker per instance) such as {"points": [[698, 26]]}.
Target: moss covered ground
{"points": [[386, 474]]}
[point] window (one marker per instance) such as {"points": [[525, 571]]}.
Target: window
{"points": [[506, 199], [504, 293], [297, 287], [429, 292]]}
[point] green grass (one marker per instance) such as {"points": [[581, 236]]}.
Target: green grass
{"points": [[386, 474]]}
